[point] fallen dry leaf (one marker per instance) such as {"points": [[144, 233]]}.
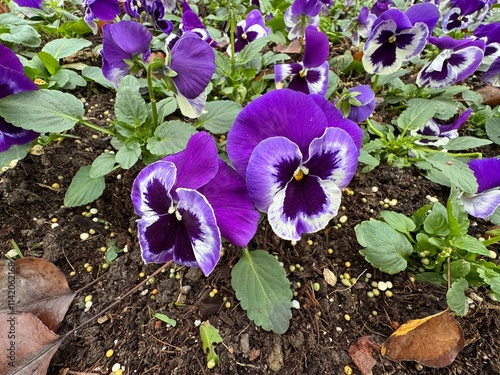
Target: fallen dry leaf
{"points": [[26, 344], [361, 354], [40, 288], [491, 95], [295, 46], [329, 277], [433, 341]]}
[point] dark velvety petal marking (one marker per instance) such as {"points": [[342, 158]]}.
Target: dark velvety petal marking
{"points": [[10, 60], [105, 10], [239, 44], [466, 61], [412, 41], [11, 135], [194, 62], [272, 165], [317, 79], [316, 49], [305, 206], [481, 205], [286, 113], [453, 19], [299, 84], [157, 237], [437, 74], [487, 172], [424, 12], [204, 236], [234, 210], [151, 190], [197, 164], [333, 156]]}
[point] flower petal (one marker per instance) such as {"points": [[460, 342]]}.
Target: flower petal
{"points": [[10, 60], [283, 71], [204, 235], [487, 172], [11, 135], [316, 49], [492, 75], [272, 165], [157, 237], [424, 12], [466, 61], [254, 18], [317, 79], [412, 41], [105, 10], [191, 108], [481, 205], [234, 210]]}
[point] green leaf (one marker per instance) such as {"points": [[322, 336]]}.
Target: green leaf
{"points": [[219, 116], [418, 113], [9, 158], [170, 137], [419, 216], [166, 107], [385, 248], [23, 34], [43, 111], [366, 158], [434, 278], [128, 155], [493, 129], [83, 188], [65, 47], [251, 50], [264, 291], [102, 165], [459, 268], [164, 318], [130, 107], [210, 336], [458, 219], [465, 143], [436, 223], [95, 74], [398, 221], [455, 170], [491, 277], [470, 244], [455, 296], [51, 64]]}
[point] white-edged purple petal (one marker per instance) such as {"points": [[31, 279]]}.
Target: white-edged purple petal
{"points": [[234, 210], [400, 20], [466, 61], [273, 164], [304, 206], [487, 173], [151, 190], [412, 41], [333, 156], [254, 18], [492, 75], [316, 49], [317, 79], [454, 19], [191, 108], [197, 164], [437, 73], [283, 71], [158, 236], [309, 8], [481, 205], [204, 236], [424, 12]]}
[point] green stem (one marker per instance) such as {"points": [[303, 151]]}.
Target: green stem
{"points": [[100, 129], [375, 84], [232, 32], [375, 130], [152, 98], [491, 241]]}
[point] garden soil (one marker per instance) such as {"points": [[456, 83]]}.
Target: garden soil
{"points": [[321, 330]]}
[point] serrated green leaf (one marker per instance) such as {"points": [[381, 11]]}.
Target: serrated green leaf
{"points": [[130, 107], [43, 111], [418, 113], [209, 336], [436, 223], [22, 34], [457, 172], [470, 244], [74, 79], [465, 143], [398, 221], [366, 158], [456, 297], [65, 47], [384, 247], [490, 277], [50, 63], [166, 107], [458, 219], [164, 318], [219, 116], [251, 50], [434, 278], [95, 74], [493, 129], [127, 156], [459, 268], [264, 291], [83, 188], [170, 137], [102, 165], [58, 80]]}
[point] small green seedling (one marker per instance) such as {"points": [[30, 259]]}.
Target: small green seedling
{"points": [[209, 336]]}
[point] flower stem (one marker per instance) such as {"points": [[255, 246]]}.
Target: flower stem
{"points": [[232, 32], [375, 130], [100, 129], [375, 83], [152, 98], [491, 241]]}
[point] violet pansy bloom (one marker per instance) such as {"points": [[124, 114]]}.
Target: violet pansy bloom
{"points": [[12, 81], [362, 26], [381, 6], [397, 37], [490, 33], [104, 10], [464, 13], [29, 3], [492, 75], [155, 9], [357, 103], [297, 153], [187, 203], [248, 30], [458, 60], [122, 42], [486, 201], [309, 76], [301, 14]]}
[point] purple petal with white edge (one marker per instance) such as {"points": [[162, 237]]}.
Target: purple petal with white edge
{"points": [[492, 75], [316, 49], [105, 10], [333, 156], [481, 205], [194, 62], [411, 42], [199, 220], [424, 12], [309, 8], [151, 190], [197, 164], [234, 210], [13, 82], [256, 31], [466, 61], [400, 20], [191, 108], [304, 206], [336, 120], [158, 237], [490, 31], [255, 18], [10, 60], [11, 135], [454, 19], [487, 172], [317, 79], [437, 73], [379, 54], [286, 113], [273, 164], [457, 124], [446, 42], [283, 71]]}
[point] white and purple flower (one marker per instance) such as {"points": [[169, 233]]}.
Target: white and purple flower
{"points": [[104, 10], [309, 76], [362, 25], [12, 81], [297, 152], [249, 29], [458, 60], [397, 37], [381, 6], [300, 14], [486, 201], [463, 13], [357, 103], [187, 203]]}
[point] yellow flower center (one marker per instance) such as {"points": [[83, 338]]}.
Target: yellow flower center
{"points": [[303, 72], [392, 39]]}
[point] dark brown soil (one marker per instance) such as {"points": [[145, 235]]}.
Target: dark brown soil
{"points": [[319, 336]]}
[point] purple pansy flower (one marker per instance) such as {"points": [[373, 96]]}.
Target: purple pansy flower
{"points": [[490, 33], [248, 30], [381, 6], [458, 60], [362, 26], [104, 10], [301, 14], [12, 81], [357, 103], [155, 9], [187, 202], [311, 75], [29, 3], [297, 153], [444, 132], [464, 13], [492, 75], [397, 37], [122, 42], [486, 201]]}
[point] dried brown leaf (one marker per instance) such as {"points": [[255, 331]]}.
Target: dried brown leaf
{"points": [[361, 354], [40, 288], [433, 341], [26, 344], [295, 46], [329, 277], [491, 95]]}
